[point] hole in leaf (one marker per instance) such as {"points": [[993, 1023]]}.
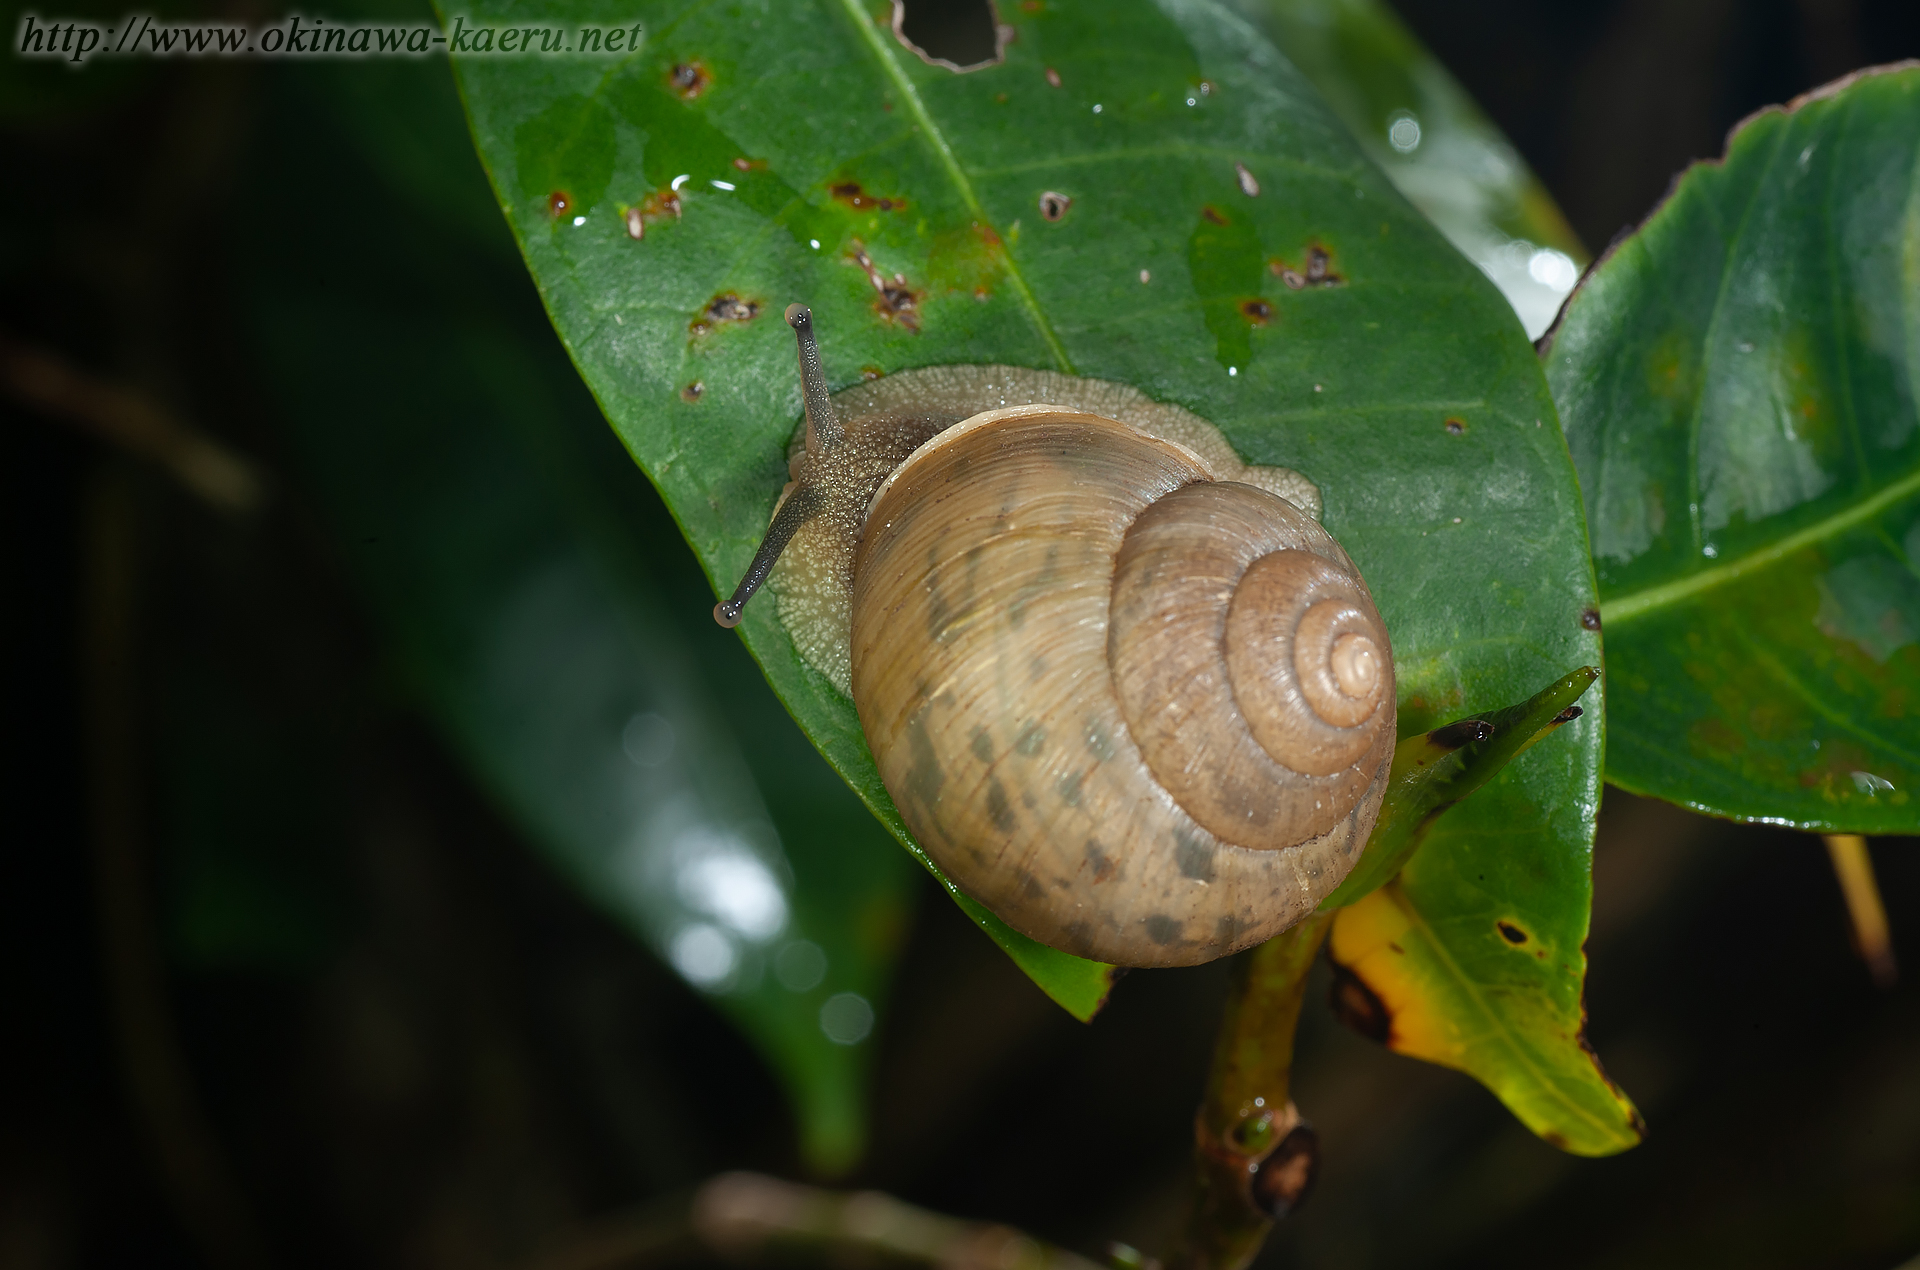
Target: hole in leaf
{"points": [[961, 35]]}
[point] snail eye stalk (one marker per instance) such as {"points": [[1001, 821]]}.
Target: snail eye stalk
{"points": [[823, 426], [823, 433], [795, 512]]}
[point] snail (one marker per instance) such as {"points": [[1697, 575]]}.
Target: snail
{"points": [[1123, 689]]}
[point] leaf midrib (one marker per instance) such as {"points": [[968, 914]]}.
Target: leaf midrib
{"points": [[964, 187], [1651, 599], [1499, 1026]]}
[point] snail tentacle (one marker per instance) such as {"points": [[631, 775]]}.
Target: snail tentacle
{"points": [[806, 498], [795, 510], [823, 425]]}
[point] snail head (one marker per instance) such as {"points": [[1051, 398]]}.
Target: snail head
{"points": [[807, 496], [834, 477]]}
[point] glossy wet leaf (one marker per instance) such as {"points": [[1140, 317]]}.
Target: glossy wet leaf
{"points": [[1473, 959], [1415, 120], [1463, 943], [1737, 381], [1433, 771], [761, 150], [501, 538]]}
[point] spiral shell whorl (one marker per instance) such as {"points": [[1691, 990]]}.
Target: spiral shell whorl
{"points": [[1226, 604]]}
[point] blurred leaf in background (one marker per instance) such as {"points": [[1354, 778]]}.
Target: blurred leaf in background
{"points": [[510, 552]]}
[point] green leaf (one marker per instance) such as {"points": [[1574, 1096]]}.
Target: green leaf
{"points": [[1462, 942], [1738, 384], [1473, 958], [1416, 121], [502, 539], [1404, 388], [1433, 771]]}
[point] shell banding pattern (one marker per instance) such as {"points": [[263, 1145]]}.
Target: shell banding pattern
{"points": [[1143, 715]]}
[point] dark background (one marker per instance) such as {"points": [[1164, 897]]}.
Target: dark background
{"points": [[438, 1056]]}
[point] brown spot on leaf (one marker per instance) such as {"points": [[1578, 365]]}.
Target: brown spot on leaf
{"points": [[723, 308], [871, 373], [1213, 215], [1054, 205], [749, 165], [692, 392], [1257, 312], [1316, 271], [1590, 618], [656, 206], [1455, 427], [1283, 1180], [1358, 1006], [1466, 732], [1053, 77], [1554, 1138], [850, 193], [559, 203], [1511, 933], [896, 301], [689, 79], [1567, 715], [1031, 6]]}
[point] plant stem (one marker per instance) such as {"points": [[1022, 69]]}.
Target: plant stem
{"points": [[193, 1170], [1854, 867], [45, 381], [749, 1218], [1254, 1157]]}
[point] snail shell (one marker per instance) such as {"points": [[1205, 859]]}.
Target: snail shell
{"points": [[1142, 713]]}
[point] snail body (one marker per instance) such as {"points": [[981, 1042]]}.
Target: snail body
{"points": [[1143, 713]]}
